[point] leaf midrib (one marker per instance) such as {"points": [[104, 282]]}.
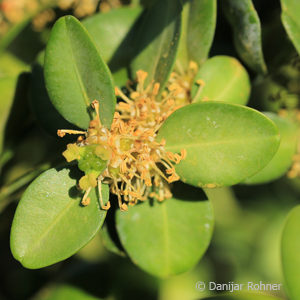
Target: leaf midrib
{"points": [[51, 225], [214, 143], [76, 69]]}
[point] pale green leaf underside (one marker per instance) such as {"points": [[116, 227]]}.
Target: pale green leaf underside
{"points": [[117, 51], [283, 158], [225, 80], [291, 20], [50, 224], [198, 29], [201, 28], [290, 247], [245, 24], [75, 74], [166, 238], [116, 23], [225, 143]]}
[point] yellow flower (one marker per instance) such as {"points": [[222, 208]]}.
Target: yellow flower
{"points": [[136, 165]]}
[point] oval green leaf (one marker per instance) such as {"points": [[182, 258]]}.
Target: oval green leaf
{"points": [[157, 41], [50, 224], [224, 79], [291, 20], [198, 29], [166, 238], [65, 291], [290, 248], [225, 143], [116, 51], [283, 158], [245, 24], [116, 22], [75, 74]]}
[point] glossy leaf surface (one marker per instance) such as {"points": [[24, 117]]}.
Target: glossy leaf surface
{"points": [[50, 224], [245, 24], [290, 247], [225, 143], [166, 238], [225, 79], [75, 74]]}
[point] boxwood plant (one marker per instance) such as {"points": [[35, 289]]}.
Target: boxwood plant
{"points": [[149, 123]]}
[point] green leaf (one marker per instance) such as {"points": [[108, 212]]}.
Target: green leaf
{"points": [[245, 24], [116, 51], [50, 224], [290, 248], [225, 79], [109, 243], [16, 113], [116, 22], [70, 292], [10, 68], [157, 41], [198, 28], [291, 20], [283, 158], [7, 86], [12, 33], [75, 74], [225, 143], [166, 238]]}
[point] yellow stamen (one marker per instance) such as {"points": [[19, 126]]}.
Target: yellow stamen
{"points": [[107, 205], [63, 132], [86, 200]]}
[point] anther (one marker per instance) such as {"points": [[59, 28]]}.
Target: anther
{"points": [[63, 132], [107, 205]]}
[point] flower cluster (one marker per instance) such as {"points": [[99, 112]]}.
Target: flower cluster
{"points": [[127, 156]]}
